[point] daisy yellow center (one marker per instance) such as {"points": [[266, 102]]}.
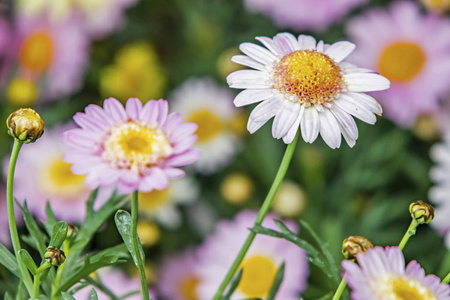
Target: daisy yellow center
{"points": [[149, 202], [209, 124], [188, 287], [257, 276], [308, 77], [399, 288], [136, 147], [37, 51], [59, 179], [401, 61]]}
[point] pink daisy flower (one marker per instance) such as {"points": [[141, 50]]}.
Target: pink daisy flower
{"points": [[178, 279], [264, 257], [42, 175], [303, 14], [55, 57], [381, 274], [136, 148], [116, 281], [411, 50]]}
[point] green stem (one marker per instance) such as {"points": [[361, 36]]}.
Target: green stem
{"points": [[261, 215], [37, 284], [340, 290], [409, 233], [135, 238], [59, 272], [446, 279], [24, 274]]}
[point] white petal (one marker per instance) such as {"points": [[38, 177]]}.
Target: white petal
{"points": [[366, 82], [329, 129], [368, 101], [289, 137], [252, 96], [284, 118], [285, 43], [243, 79], [319, 47], [306, 42], [340, 50], [350, 141], [348, 124], [258, 53], [355, 108], [310, 124], [268, 43], [266, 110], [247, 61], [253, 126]]}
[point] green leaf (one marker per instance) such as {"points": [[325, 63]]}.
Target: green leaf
{"points": [[277, 282], [28, 261], [51, 219], [59, 234], [67, 296], [234, 284], [8, 260], [123, 224], [8, 296], [38, 237], [93, 295]]}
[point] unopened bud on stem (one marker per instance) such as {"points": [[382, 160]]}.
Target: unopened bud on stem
{"points": [[422, 212], [25, 125], [55, 256], [354, 245]]}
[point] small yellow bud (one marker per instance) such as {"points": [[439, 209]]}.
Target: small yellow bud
{"points": [[422, 212], [25, 124], [354, 245], [237, 188], [55, 256], [21, 92]]}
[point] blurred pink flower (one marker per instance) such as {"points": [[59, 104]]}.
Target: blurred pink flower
{"points": [[116, 281], [303, 14], [42, 175], [54, 56], [411, 50], [178, 279], [264, 257], [136, 147]]}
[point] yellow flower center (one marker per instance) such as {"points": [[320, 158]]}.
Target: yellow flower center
{"points": [[257, 276], [209, 124], [149, 233], [136, 147], [401, 61], [59, 180], [308, 77], [188, 287], [151, 201], [398, 288], [37, 51]]}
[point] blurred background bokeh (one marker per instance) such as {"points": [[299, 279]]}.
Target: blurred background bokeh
{"points": [[58, 56]]}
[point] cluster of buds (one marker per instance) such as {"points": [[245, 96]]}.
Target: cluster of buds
{"points": [[354, 245], [422, 212], [55, 256], [25, 125]]}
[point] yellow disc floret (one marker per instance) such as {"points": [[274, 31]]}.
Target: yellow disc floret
{"points": [[209, 124], [403, 288], [308, 77], [257, 276], [136, 147], [188, 287], [57, 179], [37, 51]]}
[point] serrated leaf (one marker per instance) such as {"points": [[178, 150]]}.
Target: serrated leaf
{"points": [[59, 234], [93, 295], [28, 261], [8, 260], [277, 282], [67, 296], [234, 284], [36, 234], [124, 226]]}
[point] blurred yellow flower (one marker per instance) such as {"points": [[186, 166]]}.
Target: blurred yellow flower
{"points": [[237, 188], [440, 6], [136, 72], [224, 64], [149, 233], [21, 92], [290, 200]]}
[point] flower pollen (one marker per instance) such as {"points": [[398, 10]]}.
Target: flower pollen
{"points": [[308, 77], [136, 147], [399, 288], [257, 276]]}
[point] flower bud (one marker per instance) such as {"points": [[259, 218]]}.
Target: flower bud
{"points": [[354, 245], [422, 212], [71, 232], [26, 125], [55, 256]]}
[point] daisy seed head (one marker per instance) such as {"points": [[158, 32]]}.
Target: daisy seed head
{"points": [[422, 212], [55, 256], [25, 125], [354, 245]]}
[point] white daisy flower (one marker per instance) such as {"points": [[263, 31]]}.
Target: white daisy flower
{"points": [[304, 84], [202, 101]]}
